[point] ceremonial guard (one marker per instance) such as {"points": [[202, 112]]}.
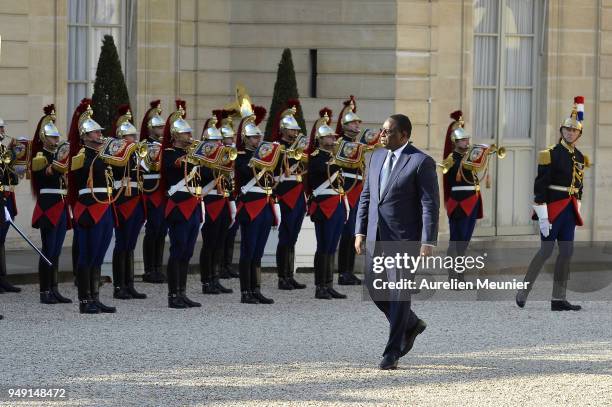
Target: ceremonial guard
{"points": [[557, 194], [327, 205], [255, 182], [8, 180], [462, 197], [180, 179], [348, 127], [90, 193], [289, 174], [129, 209], [229, 140], [48, 168], [220, 210], [151, 131]]}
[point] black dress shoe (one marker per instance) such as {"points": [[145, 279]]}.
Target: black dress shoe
{"points": [[520, 299], [284, 284], [174, 301], [210, 288], [88, 307], [295, 284], [135, 294], [121, 293], [222, 290], [261, 298], [335, 294], [47, 297], [248, 298], [348, 279], [389, 362], [322, 293], [563, 305], [104, 309], [411, 336], [190, 303], [8, 287], [59, 297]]}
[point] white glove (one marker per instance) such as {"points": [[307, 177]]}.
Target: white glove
{"points": [[579, 206], [542, 213], [232, 208], [277, 214]]}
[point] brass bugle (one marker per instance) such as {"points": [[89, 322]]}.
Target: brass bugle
{"points": [[499, 151], [444, 167]]}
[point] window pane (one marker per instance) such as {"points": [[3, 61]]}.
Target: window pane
{"points": [[484, 113], [106, 12], [77, 53], [519, 16], [485, 61], [76, 92], [77, 11], [519, 61], [517, 114], [98, 34], [485, 16]]}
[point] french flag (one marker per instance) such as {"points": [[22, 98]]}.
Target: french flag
{"points": [[579, 101]]}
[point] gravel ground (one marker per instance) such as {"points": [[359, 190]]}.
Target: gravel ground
{"points": [[302, 351]]}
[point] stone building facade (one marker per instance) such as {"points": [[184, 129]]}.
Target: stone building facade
{"points": [[512, 66]]}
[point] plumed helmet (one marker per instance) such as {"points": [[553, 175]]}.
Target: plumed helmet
{"points": [[576, 116]]}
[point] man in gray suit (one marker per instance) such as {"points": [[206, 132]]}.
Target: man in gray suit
{"points": [[398, 212]]}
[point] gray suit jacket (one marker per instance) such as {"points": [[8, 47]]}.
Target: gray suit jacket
{"points": [[409, 207]]}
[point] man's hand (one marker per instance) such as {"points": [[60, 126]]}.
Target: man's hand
{"points": [[359, 243], [545, 227], [426, 250]]}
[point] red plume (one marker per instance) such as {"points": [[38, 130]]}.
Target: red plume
{"points": [[448, 148], [144, 126], [74, 138], [260, 114]]}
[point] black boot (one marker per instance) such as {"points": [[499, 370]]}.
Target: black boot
{"points": [[206, 272], [183, 269], [291, 270], [246, 296], [319, 277], [216, 267], [129, 277], [174, 299], [44, 278], [75, 258], [228, 258], [94, 284], [158, 276], [281, 268], [256, 284], [346, 262], [86, 303], [120, 291], [148, 257], [4, 283], [329, 277], [54, 284]]}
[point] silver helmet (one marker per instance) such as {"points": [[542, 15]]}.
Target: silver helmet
{"points": [[87, 124], [288, 120], [227, 128], [323, 128], [2, 122], [250, 129], [50, 130], [349, 115], [124, 125], [459, 134], [180, 125], [210, 130]]}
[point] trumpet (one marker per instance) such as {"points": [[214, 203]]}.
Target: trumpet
{"points": [[499, 151]]}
